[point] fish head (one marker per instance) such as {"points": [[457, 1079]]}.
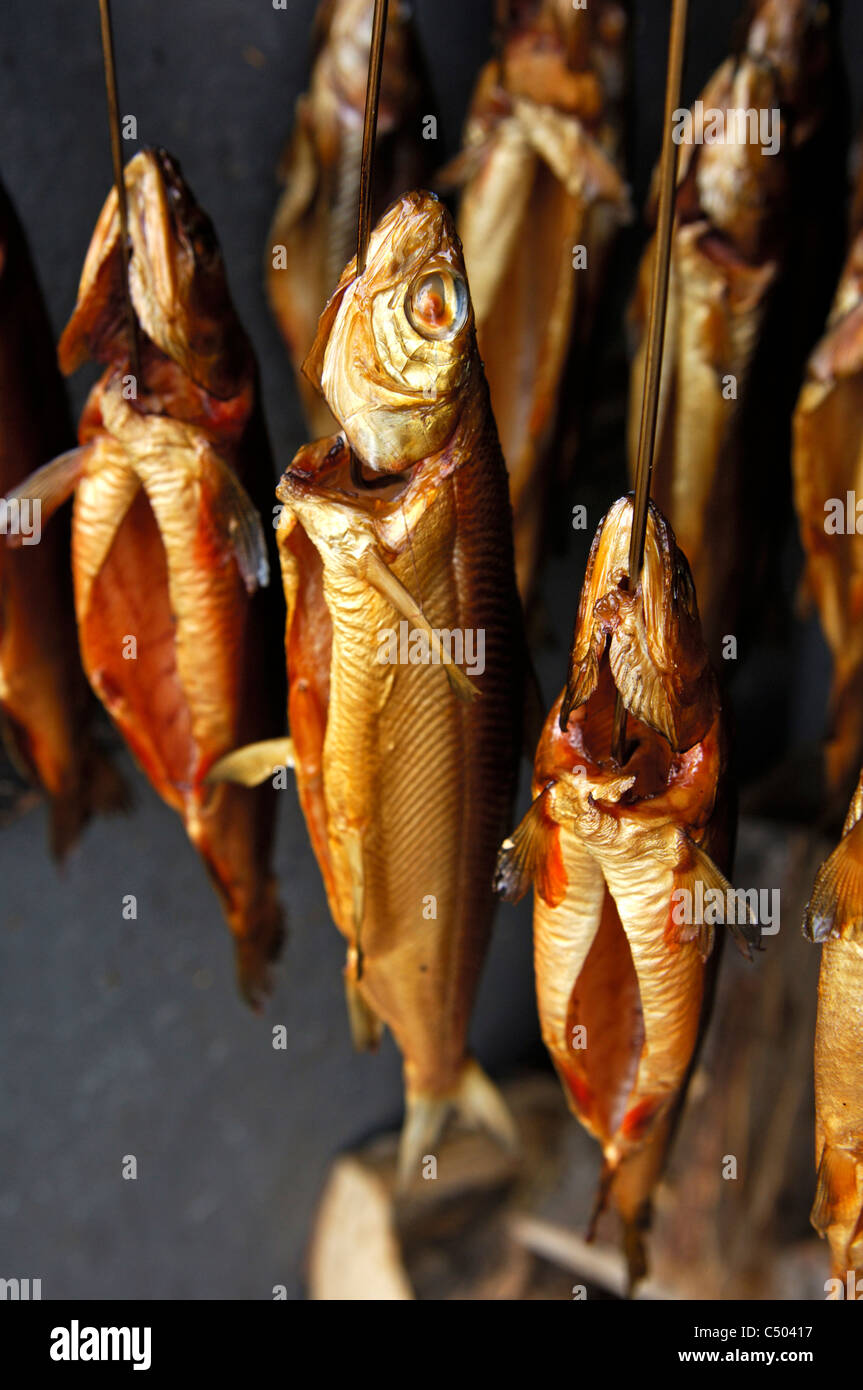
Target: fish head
{"points": [[650, 635], [177, 282], [396, 346]]}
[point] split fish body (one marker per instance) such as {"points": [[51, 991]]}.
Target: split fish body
{"points": [[730, 251], [827, 465], [542, 184], [405, 778], [316, 217], [168, 552], [834, 917], [621, 967], [47, 708]]}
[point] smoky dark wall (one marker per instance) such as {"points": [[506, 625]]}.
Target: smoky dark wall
{"points": [[123, 1038]]}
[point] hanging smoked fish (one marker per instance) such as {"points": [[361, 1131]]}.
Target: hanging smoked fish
{"points": [[622, 858], [834, 917], [313, 233], [47, 709], [827, 465], [167, 547], [740, 168], [543, 196], [396, 549]]}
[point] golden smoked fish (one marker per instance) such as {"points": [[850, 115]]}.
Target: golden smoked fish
{"points": [[396, 549], [46, 707], [167, 548], [827, 466], [733, 221], [543, 194], [625, 861], [834, 916], [314, 229]]}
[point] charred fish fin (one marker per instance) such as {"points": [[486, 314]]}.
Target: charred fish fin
{"points": [[50, 486], [366, 1027], [377, 573], [241, 524], [696, 878], [836, 1181], [252, 765], [835, 908], [474, 1098], [531, 855]]}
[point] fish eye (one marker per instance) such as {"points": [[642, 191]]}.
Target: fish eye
{"points": [[437, 304]]}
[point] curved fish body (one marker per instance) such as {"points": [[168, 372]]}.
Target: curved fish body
{"points": [[729, 251], [834, 916], [827, 466], [396, 551], [47, 708], [543, 194], [313, 233], [167, 548], [626, 862]]}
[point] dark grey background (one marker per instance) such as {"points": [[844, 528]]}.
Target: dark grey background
{"points": [[118, 1037]]}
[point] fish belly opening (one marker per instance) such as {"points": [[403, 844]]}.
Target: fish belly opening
{"points": [[128, 640]]}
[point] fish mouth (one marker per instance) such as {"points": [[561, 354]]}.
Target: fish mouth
{"points": [[649, 638], [329, 469], [177, 284]]}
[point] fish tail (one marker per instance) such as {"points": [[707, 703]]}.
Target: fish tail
{"points": [[257, 948], [99, 790], [837, 1211], [474, 1099]]}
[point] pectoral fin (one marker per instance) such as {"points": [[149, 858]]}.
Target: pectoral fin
{"points": [[697, 866], [238, 517], [532, 855], [252, 765], [836, 906], [377, 573], [51, 485]]}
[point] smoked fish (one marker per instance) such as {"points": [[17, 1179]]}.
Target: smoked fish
{"points": [[627, 861], [739, 172], [396, 549], [47, 710], [168, 552], [543, 194], [314, 229], [827, 469], [834, 917]]}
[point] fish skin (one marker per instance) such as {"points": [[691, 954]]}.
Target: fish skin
{"points": [[607, 954], [406, 789], [730, 256], [834, 916], [316, 217], [47, 708], [166, 545], [827, 462], [541, 173]]}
